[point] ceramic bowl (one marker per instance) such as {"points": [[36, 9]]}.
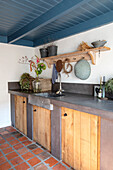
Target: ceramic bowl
{"points": [[99, 43]]}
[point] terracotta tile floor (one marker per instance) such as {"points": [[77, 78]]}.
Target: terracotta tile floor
{"points": [[20, 153]]}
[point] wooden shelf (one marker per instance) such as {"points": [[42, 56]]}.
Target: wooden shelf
{"points": [[88, 54]]}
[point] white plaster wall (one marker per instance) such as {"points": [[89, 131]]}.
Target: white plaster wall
{"points": [[104, 64], [10, 70]]}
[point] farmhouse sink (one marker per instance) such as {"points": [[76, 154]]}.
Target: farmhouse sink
{"points": [[49, 94]]}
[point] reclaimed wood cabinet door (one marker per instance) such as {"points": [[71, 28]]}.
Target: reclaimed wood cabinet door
{"points": [[21, 114], [80, 139], [42, 126]]}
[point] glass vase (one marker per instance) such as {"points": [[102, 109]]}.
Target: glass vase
{"points": [[35, 85]]}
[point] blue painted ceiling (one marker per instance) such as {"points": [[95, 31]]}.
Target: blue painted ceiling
{"points": [[35, 22]]}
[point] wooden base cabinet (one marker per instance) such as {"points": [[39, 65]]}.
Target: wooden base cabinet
{"points": [[80, 139], [42, 126], [21, 114]]}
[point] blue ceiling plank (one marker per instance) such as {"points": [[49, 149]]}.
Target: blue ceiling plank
{"points": [[3, 39], [17, 7], [58, 11], [23, 42], [14, 13], [27, 7], [38, 7], [87, 25]]}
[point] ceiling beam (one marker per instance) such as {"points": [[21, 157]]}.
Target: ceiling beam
{"points": [[23, 42], [84, 26], [58, 11]]}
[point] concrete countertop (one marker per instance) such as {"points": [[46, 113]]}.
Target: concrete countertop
{"points": [[81, 102]]}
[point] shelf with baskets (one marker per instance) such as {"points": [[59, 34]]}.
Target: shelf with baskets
{"points": [[88, 54]]}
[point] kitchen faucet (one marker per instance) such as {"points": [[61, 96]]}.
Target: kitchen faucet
{"points": [[60, 88]]}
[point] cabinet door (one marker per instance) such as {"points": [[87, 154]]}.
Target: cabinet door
{"points": [[21, 114], [80, 139], [67, 136], [42, 126]]}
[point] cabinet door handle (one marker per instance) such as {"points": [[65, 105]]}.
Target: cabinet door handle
{"points": [[65, 114], [34, 110], [23, 101]]}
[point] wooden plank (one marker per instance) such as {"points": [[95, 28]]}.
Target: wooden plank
{"points": [[76, 53], [77, 134], [47, 129], [68, 136], [25, 116], [16, 114], [85, 126], [35, 123], [42, 126], [19, 112], [88, 54], [63, 134], [93, 141], [98, 141], [85, 155]]}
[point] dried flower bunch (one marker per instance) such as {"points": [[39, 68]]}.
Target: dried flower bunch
{"points": [[34, 64]]}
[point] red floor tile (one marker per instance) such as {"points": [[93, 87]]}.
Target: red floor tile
{"points": [[8, 150], [2, 129], [14, 142], [9, 128], [7, 135], [1, 154], [2, 141], [4, 132], [18, 135], [51, 161], [27, 155], [22, 150], [5, 166], [40, 167], [27, 142], [3, 146], [34, 161], [11, 155], [22, 166], [10, 138], [23, 138], [18, 146], [2, 160], [59, 167], [37, 151], [44, 155], [16, 161], [1, 138], [12, 130]]}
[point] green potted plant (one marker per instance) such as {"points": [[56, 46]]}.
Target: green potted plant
{"points": [[109, 88]]}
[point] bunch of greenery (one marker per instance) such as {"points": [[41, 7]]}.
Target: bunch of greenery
{"points": [[109, 86], [25, 81]]}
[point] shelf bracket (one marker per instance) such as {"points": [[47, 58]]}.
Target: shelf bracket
{"points": [[48, 63], [93, 57]]}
